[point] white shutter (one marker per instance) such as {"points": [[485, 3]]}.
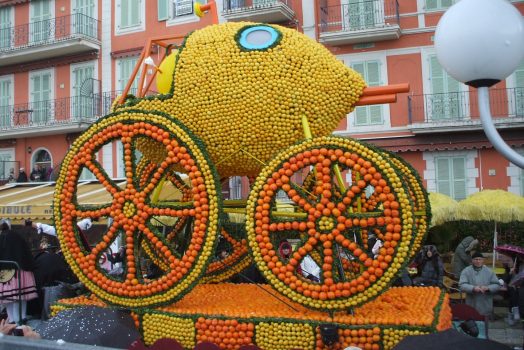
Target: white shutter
{"points": [[5, 100], [443, 176], [5, 26], [126, 66], [519, 91], [163, 9], [459, 178], [370, 71]]}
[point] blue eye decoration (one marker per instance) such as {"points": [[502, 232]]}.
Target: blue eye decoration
{"points": [[258, 38]]}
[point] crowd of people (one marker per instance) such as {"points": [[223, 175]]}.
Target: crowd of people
{"points": [[38, 174]]}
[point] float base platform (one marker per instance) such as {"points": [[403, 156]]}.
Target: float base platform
{"points": [[232, 315]]}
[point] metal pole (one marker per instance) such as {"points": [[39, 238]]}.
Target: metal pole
{"points": [[492, 133]]}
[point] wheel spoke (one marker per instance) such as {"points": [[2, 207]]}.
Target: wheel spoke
{"points": [[94, 211], [101, 175], [160, 248]]}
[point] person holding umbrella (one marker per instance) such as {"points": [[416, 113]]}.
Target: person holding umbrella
{"points": [[479, 283], [514, 279]]}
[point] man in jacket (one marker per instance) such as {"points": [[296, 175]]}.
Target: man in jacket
{"points": [[462, 256], [480, 284]]}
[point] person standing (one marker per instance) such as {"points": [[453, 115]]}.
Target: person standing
{"points": [[14, 248], [430, 267], [480, 284], [462, 257], [22, 176]]}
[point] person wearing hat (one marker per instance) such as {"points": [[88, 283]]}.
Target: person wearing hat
{"points": [[462, 257], [480, 284], [22, 176]]}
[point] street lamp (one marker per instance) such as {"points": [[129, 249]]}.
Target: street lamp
{"points": [[481, 42]]}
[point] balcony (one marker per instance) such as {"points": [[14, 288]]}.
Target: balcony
{"points": [[64, 115], [264, 11], [56, 37], [458, 111], [360, 22]]}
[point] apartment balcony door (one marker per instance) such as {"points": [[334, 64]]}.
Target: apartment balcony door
{"points": [[361, 14], [81, 99], [41, 28], [5, 27], [83, 20], [6, 96], [41, 96], [446, 99]]}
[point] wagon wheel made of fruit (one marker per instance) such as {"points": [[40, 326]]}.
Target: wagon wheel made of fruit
{"points": [[328, 224], [132, 209]]}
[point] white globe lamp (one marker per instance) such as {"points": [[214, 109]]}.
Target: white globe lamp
{"points": [[479, 43]]}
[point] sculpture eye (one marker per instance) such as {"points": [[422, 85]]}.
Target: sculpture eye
{"points": [[258, 37]]}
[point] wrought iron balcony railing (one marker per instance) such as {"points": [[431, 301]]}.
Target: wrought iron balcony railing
{"points": [[57, 112], [359, 15], [49, 31], [239, 5], [462, 106]]}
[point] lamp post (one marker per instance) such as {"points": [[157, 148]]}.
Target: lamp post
{"points": [[479, 43]]}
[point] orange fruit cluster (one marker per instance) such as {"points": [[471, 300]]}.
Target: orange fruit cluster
{"points": [[364, 338], [227, 334]]}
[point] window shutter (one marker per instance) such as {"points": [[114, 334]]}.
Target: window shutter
{"points": [[436, 76], [4, 92], [135, 16], [519, 90], [124, 13], [361, 116], [431, 4], [46, 87], [5, 26], [445, 3], [443, 176], [459, 178], [375, 114], [373, 73], [163, 10]]}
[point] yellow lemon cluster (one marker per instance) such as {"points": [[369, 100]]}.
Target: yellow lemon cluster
{"points": [[158, 326], [393, 336], [283, 336], [247, 104]]}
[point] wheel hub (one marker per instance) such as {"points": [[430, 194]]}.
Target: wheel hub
{"points": [[129, 209], [325, 224]]}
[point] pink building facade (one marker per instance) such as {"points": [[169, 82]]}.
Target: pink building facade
{"points": [[62, 62]]}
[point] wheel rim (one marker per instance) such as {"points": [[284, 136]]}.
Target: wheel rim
{"points": [[132, 209], [328, 227]]}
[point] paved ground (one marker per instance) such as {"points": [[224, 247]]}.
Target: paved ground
{"points": [[500, 331]]}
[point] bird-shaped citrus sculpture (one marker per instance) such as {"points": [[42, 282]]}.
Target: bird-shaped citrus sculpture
{"points": [[243, 88]]}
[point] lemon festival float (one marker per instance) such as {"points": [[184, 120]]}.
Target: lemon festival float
{"points": [[261, 101]]}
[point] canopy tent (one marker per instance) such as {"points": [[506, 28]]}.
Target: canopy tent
{"points": [[20, 201], [443, 208], [492, 205]]}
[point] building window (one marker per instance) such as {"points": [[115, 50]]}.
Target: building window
{"points": [[42, 166], [6, 101], [130, 16], [41, 96], [82, 105], [432, 5], [7, 163], [84, 18], [125, 68], [446, 101], [180, 11], [368, 115], [41, 28], [6, 27], [451, 176]]}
